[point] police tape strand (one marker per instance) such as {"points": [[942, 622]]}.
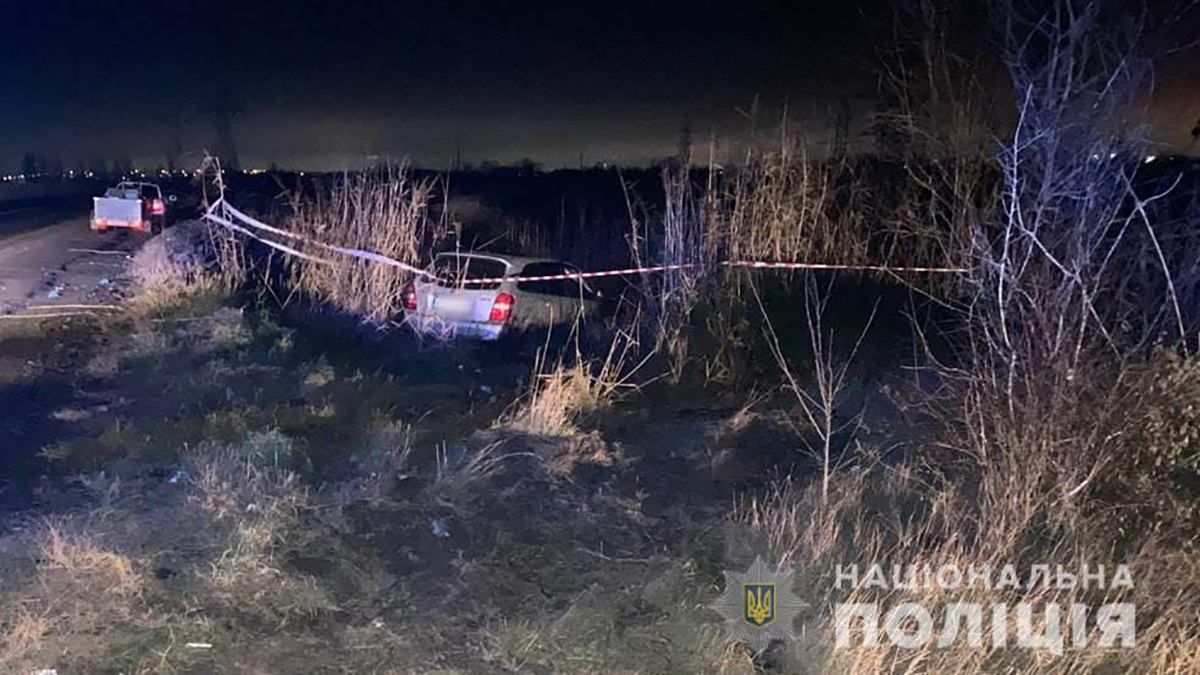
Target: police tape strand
{"points": [[223, 214]]}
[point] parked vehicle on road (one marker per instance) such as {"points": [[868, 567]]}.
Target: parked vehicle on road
{"points": [[131, 205], [513, 295]]}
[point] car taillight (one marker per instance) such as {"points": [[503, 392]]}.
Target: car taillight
{"points": [[157, 207], [410, 298], [501, 308]]}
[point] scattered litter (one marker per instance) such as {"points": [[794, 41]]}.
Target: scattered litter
{"points": [[104, 282], [177, 476], [199, 645], [439, 529], [377, 623], [55, 292], [45, 671], [485, 389], [70, 414]]}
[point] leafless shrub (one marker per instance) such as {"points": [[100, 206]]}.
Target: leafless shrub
{"points": [[1042, 395], [822, 404], [383, 210], [938, 119]]}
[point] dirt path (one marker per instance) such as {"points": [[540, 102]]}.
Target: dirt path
{"points": [[63, 264]]}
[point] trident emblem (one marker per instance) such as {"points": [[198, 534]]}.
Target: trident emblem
{"points": [[760, 603]]}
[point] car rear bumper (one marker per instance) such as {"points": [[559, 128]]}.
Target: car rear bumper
{"points": [[435, 326], [105, 223]]}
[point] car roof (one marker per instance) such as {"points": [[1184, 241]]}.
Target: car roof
{"points": [[517, 262]]}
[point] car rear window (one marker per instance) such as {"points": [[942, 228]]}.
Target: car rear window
{"points": [[567, 288], [452, 270]]}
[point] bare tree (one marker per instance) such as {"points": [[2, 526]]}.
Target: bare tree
{"points": [[1050, 334], [822, 401]]}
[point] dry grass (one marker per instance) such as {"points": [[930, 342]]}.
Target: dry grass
{"points": [[256, 499], [78, 589], [189, 260], [383, 210], [254, 476], [88, 605], [557, 399], [595, 632], [778, 205], [1048, 435], [76, 554], [161, 298], [380, 463], [891, 516], [562, 394], [460, 469], [22, 632]]}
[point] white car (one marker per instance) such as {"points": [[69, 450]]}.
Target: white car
{"points": [[454, 303]]}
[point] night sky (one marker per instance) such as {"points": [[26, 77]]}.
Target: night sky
{"points": [[324, 84]]}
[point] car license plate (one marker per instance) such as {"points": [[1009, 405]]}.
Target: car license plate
{"points": [[452, 305]]}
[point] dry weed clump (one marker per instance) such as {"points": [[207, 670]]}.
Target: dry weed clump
{"points": [[779, 205], [460, 469], [78, 555], [558, 397], [383, 210], [80, 591], [251, 492], [251, 477], [381, 462], [22, 632], [188, 260]]}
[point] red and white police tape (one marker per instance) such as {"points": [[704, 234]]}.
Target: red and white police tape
{"points": [[223, 214]]}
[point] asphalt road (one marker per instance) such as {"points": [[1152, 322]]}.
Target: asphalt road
{"points": [[52, 260], [22, 217]]}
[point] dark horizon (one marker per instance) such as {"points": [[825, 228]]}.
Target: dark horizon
{"points": [[312, 86]]}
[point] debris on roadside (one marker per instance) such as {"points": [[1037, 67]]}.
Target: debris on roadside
{"points": [[438, 528]]}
